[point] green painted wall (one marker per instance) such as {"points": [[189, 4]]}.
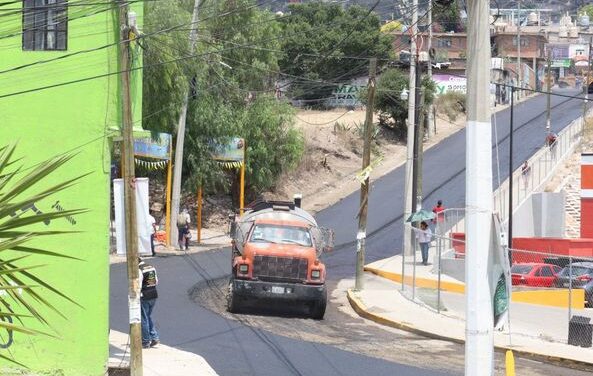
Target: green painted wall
{"points": [[81, 118]]}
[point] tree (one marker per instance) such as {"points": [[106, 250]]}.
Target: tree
{"points": [[323, 45], [23, 291], [587, 9], [392, 26], [233, 74], [393, 111], [447, 18]]}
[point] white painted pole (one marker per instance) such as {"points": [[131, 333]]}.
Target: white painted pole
{"points": [[430, 119], [410, 141], [479, 312], [176, 195]]}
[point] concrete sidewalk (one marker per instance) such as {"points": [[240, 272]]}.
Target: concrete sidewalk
{"points": [[211, 239], [382, 301], [158, 361]]}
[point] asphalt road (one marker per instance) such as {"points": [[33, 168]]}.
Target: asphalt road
{"points": [[443, 178], [190, 316], [190, 313]]}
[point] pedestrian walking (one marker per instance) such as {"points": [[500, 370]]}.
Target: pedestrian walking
{"points": [[423, 236], [152, 229], [148, 296], [183, 222], [526, 172], [439, 216]]}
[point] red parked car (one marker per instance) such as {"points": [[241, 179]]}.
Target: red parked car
{"points": [[534, 274]]}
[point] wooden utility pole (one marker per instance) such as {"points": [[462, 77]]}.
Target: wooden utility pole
{"points": [[519, 75], [429, 112], [416, 172], [129, 182], [420, 147], [176, 195], [364, 186]]}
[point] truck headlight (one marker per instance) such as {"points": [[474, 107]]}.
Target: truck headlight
{"points": [[243, 268], [315, 274]]}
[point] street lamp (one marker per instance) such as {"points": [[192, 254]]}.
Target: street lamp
{"points": [[404, 94]]}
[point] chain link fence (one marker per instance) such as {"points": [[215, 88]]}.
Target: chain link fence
{"points": [[552, 294]]}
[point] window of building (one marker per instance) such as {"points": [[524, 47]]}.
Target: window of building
{"points": [[45, 25], [444, 42], [524, 41]]}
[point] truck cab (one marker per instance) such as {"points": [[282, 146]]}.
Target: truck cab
{"points": [[276, 249]]}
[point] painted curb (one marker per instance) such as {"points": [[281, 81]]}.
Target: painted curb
{"points": [[361, 309], [535, 297]]}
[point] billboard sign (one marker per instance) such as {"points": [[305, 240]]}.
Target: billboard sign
{"points": [[447, 82], [158, 147], [232, 151]]}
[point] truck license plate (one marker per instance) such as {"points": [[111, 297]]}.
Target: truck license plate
{"points": [[277, 290]]}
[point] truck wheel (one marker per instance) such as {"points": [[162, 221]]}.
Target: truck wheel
{"points": [[232, 300], [318, 307]]}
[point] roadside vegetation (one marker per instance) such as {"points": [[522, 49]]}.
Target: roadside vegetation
{"points": [[451, 104], [24, 290], [245, 57]]}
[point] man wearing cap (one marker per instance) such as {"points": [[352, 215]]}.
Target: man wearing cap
{"points": [[148, 296]]}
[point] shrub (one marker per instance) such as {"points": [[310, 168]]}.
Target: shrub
{"points": [[451, 104]]}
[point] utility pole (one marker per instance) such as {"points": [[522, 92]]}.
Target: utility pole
{"points": [[586, 127], [193, 37], [519, 76], [478, 187], [416, 170], [510, 219], [129, 182], [549, 95], [409, 198], [429, 129], [364, 186]]}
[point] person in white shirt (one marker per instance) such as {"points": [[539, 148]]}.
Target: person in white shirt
{"points": [[424, 236], [152, 231]]}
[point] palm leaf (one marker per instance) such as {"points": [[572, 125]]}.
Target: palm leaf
{"points": [[18, 222], [19, 285]]}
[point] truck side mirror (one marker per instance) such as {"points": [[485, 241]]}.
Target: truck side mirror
{"points": [[232, 226], [328, 239]]}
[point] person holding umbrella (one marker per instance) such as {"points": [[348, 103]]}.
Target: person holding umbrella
{"points": [[423, 236]]}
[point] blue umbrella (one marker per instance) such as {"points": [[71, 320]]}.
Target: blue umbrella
{"points": [[420, 215]]}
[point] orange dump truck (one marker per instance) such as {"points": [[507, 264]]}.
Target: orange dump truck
{"points": [[276, 248]]}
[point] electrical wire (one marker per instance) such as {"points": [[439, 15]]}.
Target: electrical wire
{"points": [[112, 73]]}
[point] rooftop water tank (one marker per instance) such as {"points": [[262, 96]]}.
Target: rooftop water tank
{"points": [[584, 20]]}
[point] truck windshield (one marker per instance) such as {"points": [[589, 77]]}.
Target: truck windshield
{"points": [[264, 233]]}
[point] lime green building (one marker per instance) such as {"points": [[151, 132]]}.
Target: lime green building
{"points": [[51, 106]]}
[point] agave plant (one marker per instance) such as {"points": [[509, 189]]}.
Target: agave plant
{"points": [[19, 285]]}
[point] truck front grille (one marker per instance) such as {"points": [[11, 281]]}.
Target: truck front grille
{"points": [[280, 268]]}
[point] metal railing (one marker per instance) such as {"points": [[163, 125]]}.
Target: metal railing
{"points": [[540, 168], [439, 286], [556, 289]]}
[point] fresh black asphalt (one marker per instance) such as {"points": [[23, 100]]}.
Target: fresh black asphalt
{"points": [[233, 348]]}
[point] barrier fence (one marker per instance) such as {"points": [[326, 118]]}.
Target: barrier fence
{"points": [[539, 168], [552, 295]]}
